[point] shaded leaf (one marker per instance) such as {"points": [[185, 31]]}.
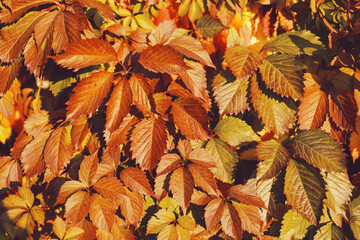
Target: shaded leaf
{"points": [[280, 72], [136, 180], [8, 74], [224, 157], [86, 53], [149, 142], [182, 187], [329, 231], [274, 157], [208, 26], [354, 210], [304, 191], [242, 61], [320, 150], [235, 131], [231, 222], [343, 109], [89, 94]]}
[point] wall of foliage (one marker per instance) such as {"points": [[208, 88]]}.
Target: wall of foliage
{"points": [[193, 119]]}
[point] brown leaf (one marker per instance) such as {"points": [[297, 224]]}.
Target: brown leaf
{"points": [[58, 150], [8, 100], [149, 142], [44, 27], [110, 188], [37, 123], [88, 95], [190, 118], [246, 194], [14, 37], [10, 171], [136, 180], [32, 155], [89, 230], [213, 213], [77, 206], [182, 187], [132, 208], [203, 178], [86, 53], [200, 198], [164, 59], [191, 48], [102, 212], [88, 168], [20, 142], [67, 189], [36, 57], [66, 28], [104, 9], [118, 105], [141, 91], [8, 74], [185, 148], [250, 218], [343, 109], [168, 163], [314, 105], [162, 102], [231, 222]]}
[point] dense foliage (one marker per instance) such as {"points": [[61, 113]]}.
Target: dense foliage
{"points": [[194, 119]]}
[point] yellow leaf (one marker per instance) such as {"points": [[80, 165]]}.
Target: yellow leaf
{"points": [[145, 22], [161, 220], [195, 11], [5, 129], [184, 7], [187, 222], [26, 194], [59, 227], [73, 232]]}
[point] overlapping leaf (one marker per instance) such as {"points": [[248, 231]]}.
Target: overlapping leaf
{"points": [[343, 109], [77, 206], [203, 178], [182, 187], [329, 231], [354, 210], [304, 190], [102, 212], [208, 26], [136, 180], [231, 222], [7, 75], [293, 226], [320, 150], [213, 213]]}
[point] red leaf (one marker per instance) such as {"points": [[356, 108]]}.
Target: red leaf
{"points": [[77, 206], [118, 105], [102, 212], [246, 194], [168, 163], [110, 188], [88, 168], [182, 187], [58, 150], [190, 118], [203, 178], [230, 222], [213, 212], [136, 180], [32, 156], [149, 142], [86, 53], [89, 94]]}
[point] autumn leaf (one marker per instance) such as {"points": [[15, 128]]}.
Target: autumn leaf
{"points": [[37, 123], [242, 61], [88, 168], [141, 92], [136, 180], [149, 142], [8, 74], [231, 222], [182, 186], [329, 231], [293, 226], [213, 213], [132, 208], [208, 26], [320, 150], [160, 220], [110, 188], [203, 178], [89, 94], [77, 206], [163, 32], [246, 194], [68, 188], [168, 163], [250, 218], [86, 53], [102, 212], [342, 109], [304, 190]]}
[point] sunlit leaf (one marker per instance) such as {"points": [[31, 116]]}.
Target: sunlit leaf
{"points": [[182, 187], [208, 26], [329, 231], [136, 180], [293, 226]]}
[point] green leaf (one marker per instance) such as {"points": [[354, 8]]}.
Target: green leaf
{"points": [[329, 231], [224, 157], [208, 26], [280, 72], [338, 195], [293, 226], [235, 131], [354, 209], [304, 190], [320, 150], [300, 42], [274, 156], [242, 61], [276, 116]]}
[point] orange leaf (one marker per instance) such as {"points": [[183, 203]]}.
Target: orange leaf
{"points": [[67, 189], [57, 153], [104, 9], [246, 194], [213, 212], [203, 157], [79, 131], [163, 32], [314, 105], [203, 178], [136, 180], [102, 212], [118, 105], [230, 222], [89, 94], [77, 206], [132, 208], [37, 123], [182, 187], [185, 148], [149, 142], [168, 163], [7, 75], [88, 168], [162, 102], [343, 109], [20, 142], [86, 53], [32, 156], [141, 91], [190, 118], [119, 136], [110, 188], [250, 218]]}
